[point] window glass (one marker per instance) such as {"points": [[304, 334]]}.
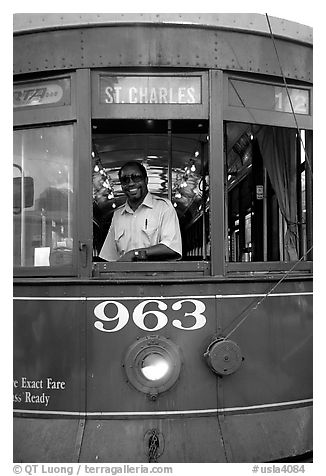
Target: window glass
{"points": [[43, 196], [177, 168], [267, 169]]}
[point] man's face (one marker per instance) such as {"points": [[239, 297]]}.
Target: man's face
{"points": [[133, 185]]}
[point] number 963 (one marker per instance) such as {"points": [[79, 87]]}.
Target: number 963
{"points": [[121, 315]]}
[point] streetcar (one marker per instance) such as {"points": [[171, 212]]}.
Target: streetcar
{"points": [[203, 359]]}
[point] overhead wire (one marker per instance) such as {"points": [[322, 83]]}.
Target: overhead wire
{"points": [[252, 307], [288, 92], [262, 299]]}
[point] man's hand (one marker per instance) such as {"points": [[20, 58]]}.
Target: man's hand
{"points": [[129, 256]]}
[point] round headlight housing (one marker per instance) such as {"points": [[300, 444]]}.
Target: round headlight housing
{"points": [[152, 364]]}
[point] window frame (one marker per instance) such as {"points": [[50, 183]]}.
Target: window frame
{"points": [[268, 118], [158, 112], [32, 117]]}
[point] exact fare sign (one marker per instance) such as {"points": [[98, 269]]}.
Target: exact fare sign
{"points": [[150, 90]]}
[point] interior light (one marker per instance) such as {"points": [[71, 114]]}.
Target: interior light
{"points": [[154, 367], [196, 153], [96, 168]]}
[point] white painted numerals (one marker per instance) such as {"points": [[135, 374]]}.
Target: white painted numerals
{"points": [[139, 315], [200, 319], [121, 315]]}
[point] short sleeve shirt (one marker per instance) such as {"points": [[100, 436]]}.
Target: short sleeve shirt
{"points": [[154, 222]]}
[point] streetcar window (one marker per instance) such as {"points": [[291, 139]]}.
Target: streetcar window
{"points": [[174, 154], [42, 209], [268, 181]]}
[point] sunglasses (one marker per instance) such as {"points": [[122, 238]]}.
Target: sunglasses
{"points": [[126, 179]]}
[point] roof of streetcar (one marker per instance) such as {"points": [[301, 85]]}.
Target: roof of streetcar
{"points": [[251, 22]]}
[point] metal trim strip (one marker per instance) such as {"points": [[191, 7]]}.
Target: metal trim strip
{"points": [[172, 412], [130, 298]]}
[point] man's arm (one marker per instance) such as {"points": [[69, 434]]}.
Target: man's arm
{"points": [[152, 253], [109, 249]]}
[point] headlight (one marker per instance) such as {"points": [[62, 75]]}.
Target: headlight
{"points": [[152, 365], [155, 366]]}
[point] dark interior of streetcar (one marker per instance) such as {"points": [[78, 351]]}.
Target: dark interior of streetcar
{"points": [[174, 154], [267, 187]]}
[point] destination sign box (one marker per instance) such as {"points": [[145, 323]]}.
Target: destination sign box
{"points": [[150, 90], [56, 93], [269, 97]]}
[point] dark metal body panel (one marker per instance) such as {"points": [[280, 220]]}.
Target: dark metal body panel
{"points": [[156, 46], [48, 345], [238, 411]]}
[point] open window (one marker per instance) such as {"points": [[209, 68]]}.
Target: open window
{"points": [[268, 193], [175, 155]]}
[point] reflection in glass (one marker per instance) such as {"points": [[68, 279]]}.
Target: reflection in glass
{"points": [[154, 367], [43, 196]]}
